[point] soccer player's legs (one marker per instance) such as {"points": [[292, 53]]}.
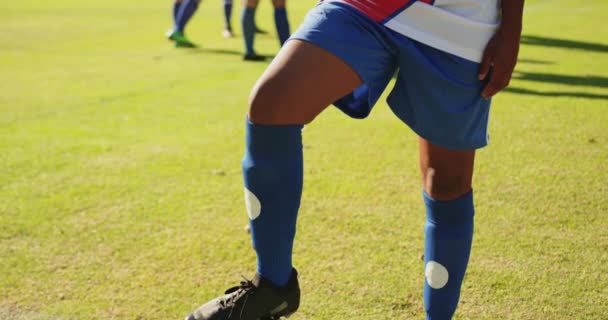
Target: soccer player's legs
{"points": [[186, 11], [183, 10], [280, 104], [176, 6], [448, 199], [280, 20], [170, 34], [250, 29], [308, 74], [227, 32], [317, 67], [439, 96], [248, 25]]}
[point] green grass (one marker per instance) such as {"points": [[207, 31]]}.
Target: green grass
{"points": [[121, 194]]}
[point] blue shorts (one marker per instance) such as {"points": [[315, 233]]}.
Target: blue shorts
{"points": [[437, 94]]}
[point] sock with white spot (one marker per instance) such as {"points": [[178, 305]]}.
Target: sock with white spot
{"points": [[273, 174], [449, 234]]}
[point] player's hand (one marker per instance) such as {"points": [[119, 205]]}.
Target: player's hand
{"points": [[500, 55]]}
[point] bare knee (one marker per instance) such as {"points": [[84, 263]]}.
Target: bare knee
{"points": [[446, 174], [273, 102], [443, 186], [265, 104], [268, 105]]}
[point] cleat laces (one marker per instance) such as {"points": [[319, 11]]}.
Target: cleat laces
{"points": [[246, 288]]}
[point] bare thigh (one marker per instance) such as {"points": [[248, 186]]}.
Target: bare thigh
{"points": [[278, 3], [299, 84], [250, 3], [446, 174]]}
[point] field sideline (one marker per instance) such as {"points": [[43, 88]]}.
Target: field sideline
{"points": [[121, 192]]}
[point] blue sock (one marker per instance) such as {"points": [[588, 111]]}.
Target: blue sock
{"points": [[227, 14], [273, 174], [186, 11], [449, 233], [247, 21], [176, 7], [282, 24]]}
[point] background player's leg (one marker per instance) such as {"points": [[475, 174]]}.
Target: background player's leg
{"points": [[176, 6], [301, 81], [227, 18], [186, 11], [280, 20], [248, 24], [448, 197], [182, 12]]}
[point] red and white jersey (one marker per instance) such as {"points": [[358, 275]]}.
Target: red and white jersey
{"points": [[460, 27]]}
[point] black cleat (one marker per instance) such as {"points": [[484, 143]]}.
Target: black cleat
{"points": [[257, 299], [253, 57]]}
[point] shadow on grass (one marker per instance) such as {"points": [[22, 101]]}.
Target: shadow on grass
{"points": [[534, 61], [563, 43], [226, 52], [554, 94], [216, 51], [588, 81]]}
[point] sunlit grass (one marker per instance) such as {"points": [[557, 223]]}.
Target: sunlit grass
{"points": [[121, 192]]}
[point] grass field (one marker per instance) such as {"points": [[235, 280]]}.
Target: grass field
{"points": [[121, 193]]}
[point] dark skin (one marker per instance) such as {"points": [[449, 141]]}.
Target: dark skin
{"points": [[448, 174], [282, 97], [501, 52]]}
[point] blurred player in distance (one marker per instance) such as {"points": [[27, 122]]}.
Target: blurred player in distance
{"points": [[249, 28], [227, 32], [183, 10]]}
